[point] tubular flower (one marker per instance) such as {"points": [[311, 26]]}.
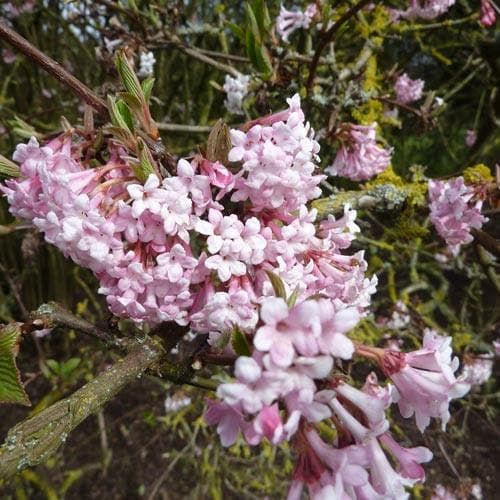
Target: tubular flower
{"points": [[408, 90], [424, 380], [453, 213], [289, 21], [359, 156]]}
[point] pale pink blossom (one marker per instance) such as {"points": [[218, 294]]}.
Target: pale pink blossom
{"points": [[426, 9], [408, 90], [477, 370], [453, 212], [424, 379], [488, 15], [470, 137], [289, 21], [359, 156]]}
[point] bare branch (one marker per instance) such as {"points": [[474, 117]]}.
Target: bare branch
{"points": [[34, 440], [329, 36], [53, 68]]}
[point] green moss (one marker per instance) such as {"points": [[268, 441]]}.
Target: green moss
{"points": [[477, 174]]}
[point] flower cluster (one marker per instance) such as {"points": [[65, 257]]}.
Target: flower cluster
{"points": [[289, 385], [453, 212], [238, 254], [236, 90], [289, 21], [277, 156], [146, 64], [359, 156], [426, 9], [408, 90], [488, 15]]}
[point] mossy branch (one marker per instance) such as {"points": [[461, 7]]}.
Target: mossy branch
{"points": [[34, 440]]}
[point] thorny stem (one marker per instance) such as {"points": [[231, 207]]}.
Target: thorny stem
{"points": [[52, 67], [329, 36]]}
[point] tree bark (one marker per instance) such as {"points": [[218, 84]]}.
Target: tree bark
{"points": [[34, 440]]}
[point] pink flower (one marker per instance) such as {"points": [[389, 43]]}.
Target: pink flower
{"points": [[424, 380], [277, 156], [452, 212], [359, 157], [289, 21], [426, 9], [408, 459], [488, 15], [478, 369], [408, 90], [470, 137], [228, 420], [8, 56]]}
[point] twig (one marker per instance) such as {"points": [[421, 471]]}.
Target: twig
{"points": [[35, 439], [52, 67], [196, 54], [52, 314], [447, 458], [491, 244], [177, 127], [329, 36], [106, 452]]}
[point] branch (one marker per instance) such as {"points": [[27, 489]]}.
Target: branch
{"points": [[52, 314], [489, 242], [329, 36], [177, 127], [194, 53], [53, 68], [34, 440]]}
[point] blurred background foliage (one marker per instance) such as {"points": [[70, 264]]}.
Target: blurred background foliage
{"points": [[138, 446]]}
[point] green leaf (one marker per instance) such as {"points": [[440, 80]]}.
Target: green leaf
{"points": [[54, 366], [145, 167], [11, 388], [69, 366], [250, 46], [261, 14], [8, 168], [278, 285], [240, 343], [293, 297], [115, 111], [218, 143], [128, 77], [237, 31], [264, 63], [125, 113], [252, 21], [147, 87], [133, 103]]}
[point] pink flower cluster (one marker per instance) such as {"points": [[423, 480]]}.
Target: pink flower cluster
{"points": [[277, 157], [426, 9], [289, 21], [240, 254], [408, 90], [166, 249], [453, 211], [288, 385], [359, 156], [488, 15]]}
